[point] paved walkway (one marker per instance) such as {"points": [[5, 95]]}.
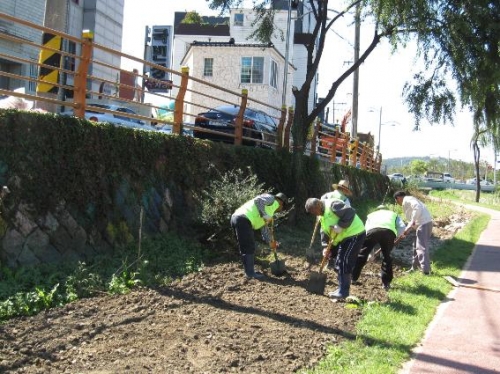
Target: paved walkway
{"points": [[464, 336]]}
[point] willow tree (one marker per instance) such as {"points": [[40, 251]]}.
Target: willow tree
{"points": [[461, 41]]}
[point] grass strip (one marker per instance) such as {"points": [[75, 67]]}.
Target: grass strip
{"points": [[389, 331]]}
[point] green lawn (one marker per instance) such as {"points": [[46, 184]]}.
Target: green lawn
{"points": [[389, 331]]}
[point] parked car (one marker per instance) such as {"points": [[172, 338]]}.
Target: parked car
{"points": [[397, 177], [482, 182], [94, 114], [256, 124], [448, 178]]}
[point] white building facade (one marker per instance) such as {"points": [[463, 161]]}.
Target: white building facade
{"points": [[253, 67]]}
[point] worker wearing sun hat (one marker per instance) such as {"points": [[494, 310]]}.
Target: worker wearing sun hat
{"points": [[255, 214], [341, 191]]}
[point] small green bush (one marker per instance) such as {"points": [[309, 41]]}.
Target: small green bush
{"points": [[222, 197]]}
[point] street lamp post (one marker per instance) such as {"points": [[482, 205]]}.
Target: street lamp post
{"points": [[379, 129], [379, 126]]}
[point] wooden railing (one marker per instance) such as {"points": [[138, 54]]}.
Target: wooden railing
{"points": [[78, 86]]}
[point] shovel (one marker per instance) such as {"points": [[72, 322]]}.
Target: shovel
{"points": [[317, 280], [455, 283], [310, 252], [278, 266]]}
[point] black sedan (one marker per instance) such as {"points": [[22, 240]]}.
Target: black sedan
{"points": [[256, 124]]}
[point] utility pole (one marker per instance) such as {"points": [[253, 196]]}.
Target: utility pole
{"points": [[355, 94], [287, 53]]}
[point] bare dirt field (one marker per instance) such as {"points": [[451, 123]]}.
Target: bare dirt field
{"points": [[215, 321]]}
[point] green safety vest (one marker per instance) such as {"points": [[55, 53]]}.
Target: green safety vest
{"points": [[383, 219], [329, 219], [249, 209]]}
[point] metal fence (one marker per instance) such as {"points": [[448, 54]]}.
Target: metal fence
{"points": [[66, 79]]}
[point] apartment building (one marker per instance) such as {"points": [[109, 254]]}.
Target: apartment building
{"points": [[103, 17]]}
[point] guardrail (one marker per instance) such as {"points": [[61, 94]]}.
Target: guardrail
{"points": [[75, 82]]}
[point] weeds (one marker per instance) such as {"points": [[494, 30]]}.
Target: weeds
{"points": [[29, 290]]}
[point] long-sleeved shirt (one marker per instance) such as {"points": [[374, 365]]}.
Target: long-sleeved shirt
{"points": [[415, 211], [261, 201]]}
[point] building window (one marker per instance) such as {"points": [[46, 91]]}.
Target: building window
{"points": [[208, 67], [33, 74], [273, 78], [252, 69], [238, 19]]}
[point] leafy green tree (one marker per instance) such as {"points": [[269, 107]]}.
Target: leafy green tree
{"points": [[193, 17], [461, 40], [418, 167]]}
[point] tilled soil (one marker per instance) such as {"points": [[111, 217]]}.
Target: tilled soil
{"points": [[214, 321]]}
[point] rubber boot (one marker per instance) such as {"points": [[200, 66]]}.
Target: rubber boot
{"points": [[344, 285], [249, 266]]}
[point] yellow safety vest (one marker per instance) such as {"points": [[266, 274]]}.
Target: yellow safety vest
{"points": [[383, 219], [329, 219], [249, 209]]}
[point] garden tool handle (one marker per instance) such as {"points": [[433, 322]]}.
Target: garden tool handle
{"points": [[316, 225], [398, 239], [271, 236], [326, 255], [396, 242]]}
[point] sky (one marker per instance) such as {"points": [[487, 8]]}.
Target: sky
{"points": [[381, 81]]}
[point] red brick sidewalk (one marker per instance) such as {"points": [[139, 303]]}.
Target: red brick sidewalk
{"points": [[464, 336]]}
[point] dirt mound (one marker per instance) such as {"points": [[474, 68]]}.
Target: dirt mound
{"points": [[214, 321]]}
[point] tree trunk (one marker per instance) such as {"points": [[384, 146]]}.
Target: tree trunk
{"points": [[477, 154]]}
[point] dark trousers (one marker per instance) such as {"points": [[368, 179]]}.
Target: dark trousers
{"points": [[385, 238], [348, 250], [244, 234]]}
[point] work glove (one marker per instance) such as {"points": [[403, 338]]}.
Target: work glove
{"points": [[274, 244], [325, 250], [337, 229]]}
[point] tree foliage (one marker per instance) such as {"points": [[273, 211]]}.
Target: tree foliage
{"points": [[192, 17]]}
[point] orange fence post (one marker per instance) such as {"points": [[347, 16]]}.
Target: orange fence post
{"points": [[362, 158], [286, 141], [345, 149], [179, 102], [333, 147], [80, 92], [281, 125], [238, 129]]}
